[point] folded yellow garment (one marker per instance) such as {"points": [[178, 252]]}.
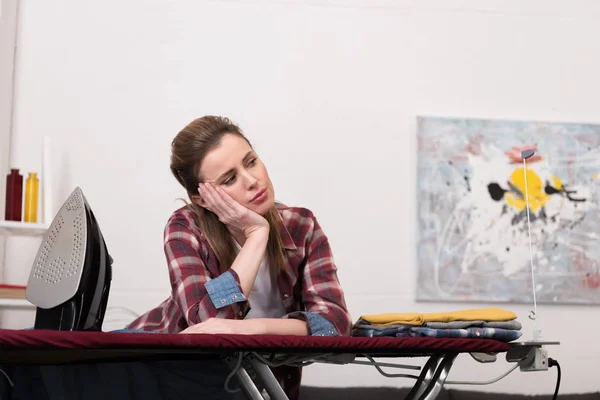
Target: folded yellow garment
{"points": [[478, 314]]}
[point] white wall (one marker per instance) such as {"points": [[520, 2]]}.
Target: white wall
{"points": [[8, 30], [328, 92]]}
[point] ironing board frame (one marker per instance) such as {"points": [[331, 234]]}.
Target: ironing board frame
{"points": [[427, 386], [51, 347]]}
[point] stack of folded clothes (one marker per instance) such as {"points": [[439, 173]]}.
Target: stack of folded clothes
{"points": [[483, 323]]}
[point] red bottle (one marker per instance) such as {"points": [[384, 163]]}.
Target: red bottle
{"points": [[14, 195]]}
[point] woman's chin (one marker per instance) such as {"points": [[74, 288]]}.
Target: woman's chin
{"points": [[263, 208]]}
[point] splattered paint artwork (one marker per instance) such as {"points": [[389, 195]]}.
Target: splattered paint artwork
{"points": [[473, 236]]}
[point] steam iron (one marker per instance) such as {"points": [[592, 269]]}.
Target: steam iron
{"points": [[70, 279]]}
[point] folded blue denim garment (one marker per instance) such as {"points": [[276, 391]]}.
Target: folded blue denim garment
{"points": [[381, 331], [504, 335]]}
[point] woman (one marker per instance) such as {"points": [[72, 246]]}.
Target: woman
{"points": [[238, 261]]}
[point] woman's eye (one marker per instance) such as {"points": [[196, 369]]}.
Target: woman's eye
{"points": [[252, 162], [229, 180]]}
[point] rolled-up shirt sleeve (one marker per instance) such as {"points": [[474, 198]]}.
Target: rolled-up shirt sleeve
{"points": [[225, 289]]}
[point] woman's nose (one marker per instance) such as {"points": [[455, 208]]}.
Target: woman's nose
{"points": [[250, 179]]}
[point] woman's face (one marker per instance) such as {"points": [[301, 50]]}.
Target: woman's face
{"points": [[236, 168]]}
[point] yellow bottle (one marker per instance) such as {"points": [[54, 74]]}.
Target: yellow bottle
{"points": [[32, 185]]}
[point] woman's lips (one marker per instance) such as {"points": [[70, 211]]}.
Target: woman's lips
{"points": [[259, 196]]}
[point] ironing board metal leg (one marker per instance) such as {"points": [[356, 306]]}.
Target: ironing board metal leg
{"points": [[425, 377], [268, 379], [247, 384], [439, 378]]}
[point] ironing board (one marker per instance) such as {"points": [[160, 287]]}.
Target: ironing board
{"points": [[59, 347]]}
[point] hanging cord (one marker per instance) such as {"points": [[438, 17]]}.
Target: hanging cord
{"points": [[533, 313], [483, 382], [7, 378], [387, 374], [553, 363], [491, 380], [289, 361], [232, 373]]}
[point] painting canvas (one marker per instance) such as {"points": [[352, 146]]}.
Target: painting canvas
{"points": [[473, 242]]}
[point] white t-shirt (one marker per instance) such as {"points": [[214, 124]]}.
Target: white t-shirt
{"points": [[265, 299]]}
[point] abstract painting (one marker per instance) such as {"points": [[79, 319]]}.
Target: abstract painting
{"points": [[473, 243]]}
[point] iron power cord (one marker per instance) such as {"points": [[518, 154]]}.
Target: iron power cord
{"points": [[553, 363]]}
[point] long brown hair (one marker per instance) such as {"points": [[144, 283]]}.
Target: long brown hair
{"points": [[188, 150]]}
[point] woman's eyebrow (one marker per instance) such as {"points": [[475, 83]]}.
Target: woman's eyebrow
{"points": [[224, 174], [248, 155]]}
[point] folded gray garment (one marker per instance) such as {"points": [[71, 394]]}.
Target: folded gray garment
{"points": [[512, 325]]}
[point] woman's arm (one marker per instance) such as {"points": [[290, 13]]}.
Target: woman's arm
{"points": [[199, 294], [189, 275], [325, 312], [252, 326], [276, 326], [244, 224], [248, 260]]}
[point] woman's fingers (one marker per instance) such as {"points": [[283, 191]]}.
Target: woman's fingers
{"points": [[227, 199], [208, 200], [212, 326], [198, 328], [215, 200], [224, 206], [202, 191], [230, 212]]}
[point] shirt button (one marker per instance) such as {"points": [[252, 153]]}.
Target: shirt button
{"points": [[235, 296], [331, 332], [240, 313], [285, 295], [223, 301], [321, 334]]}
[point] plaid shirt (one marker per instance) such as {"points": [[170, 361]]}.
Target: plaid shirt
{"points": [[309, 287]]}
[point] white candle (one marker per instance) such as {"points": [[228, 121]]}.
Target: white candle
{"points": [[47, 211]]}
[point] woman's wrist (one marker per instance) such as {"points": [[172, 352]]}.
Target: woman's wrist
{"points": [[258, 236]]}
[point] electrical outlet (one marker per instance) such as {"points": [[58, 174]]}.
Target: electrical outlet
{"points": [[537, 361]]}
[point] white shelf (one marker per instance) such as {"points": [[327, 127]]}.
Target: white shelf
{"points": [[18, 228], [16, 303]]}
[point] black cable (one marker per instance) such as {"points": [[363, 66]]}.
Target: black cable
{"points": [[553, 363]]}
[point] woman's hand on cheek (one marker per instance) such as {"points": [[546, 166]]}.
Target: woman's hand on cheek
{"points": [[237, 217], [221, 326]]}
